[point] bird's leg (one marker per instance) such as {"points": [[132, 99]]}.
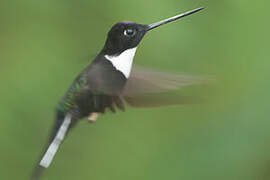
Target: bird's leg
{"points": [[92, 117]]}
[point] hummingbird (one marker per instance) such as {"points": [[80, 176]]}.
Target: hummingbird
{"points": [[110, 82]]}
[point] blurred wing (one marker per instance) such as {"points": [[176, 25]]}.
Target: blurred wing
{"points": [[161, 99], [146, 88], [142, 81]]}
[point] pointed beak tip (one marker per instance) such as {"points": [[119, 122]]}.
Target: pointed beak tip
{"points": [[201, 8], [154, 25]]}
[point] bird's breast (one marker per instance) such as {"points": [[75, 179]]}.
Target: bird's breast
{"points": [[123, 62]]}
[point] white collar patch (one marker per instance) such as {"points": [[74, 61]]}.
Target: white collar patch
{"points": [[123, 62]]}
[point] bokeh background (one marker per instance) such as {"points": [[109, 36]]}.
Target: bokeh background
{"points": [[44, 44]]}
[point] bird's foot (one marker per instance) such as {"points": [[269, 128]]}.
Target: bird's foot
{"points": [[92, 117]]}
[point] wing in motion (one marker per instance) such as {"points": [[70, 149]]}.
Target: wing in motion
{"points": [[147, 88]]}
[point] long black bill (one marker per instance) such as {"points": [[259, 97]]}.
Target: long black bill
{"points": [[165, 21]]}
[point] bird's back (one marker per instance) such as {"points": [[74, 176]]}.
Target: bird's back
{"points": [[94, 90]]}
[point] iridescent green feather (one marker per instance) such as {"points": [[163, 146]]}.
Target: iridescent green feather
{"points": [[68, 101]]}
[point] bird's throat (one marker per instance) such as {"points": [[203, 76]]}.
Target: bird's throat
{"points": [[123, 61]]}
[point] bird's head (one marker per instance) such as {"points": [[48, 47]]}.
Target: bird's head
{"points": [[127, 35], [124, 35]]}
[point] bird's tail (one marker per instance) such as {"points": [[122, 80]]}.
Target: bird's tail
{"points": [[60, 128]]}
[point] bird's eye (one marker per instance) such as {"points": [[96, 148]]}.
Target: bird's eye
{"points": [[129, 32]]}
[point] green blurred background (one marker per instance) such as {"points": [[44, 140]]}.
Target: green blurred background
{"points": [[44, 44]]}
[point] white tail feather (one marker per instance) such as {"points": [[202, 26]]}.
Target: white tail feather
{"points": [[48, 157]]}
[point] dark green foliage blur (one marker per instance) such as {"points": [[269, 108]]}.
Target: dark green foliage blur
{"points": [[44, 44]]}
